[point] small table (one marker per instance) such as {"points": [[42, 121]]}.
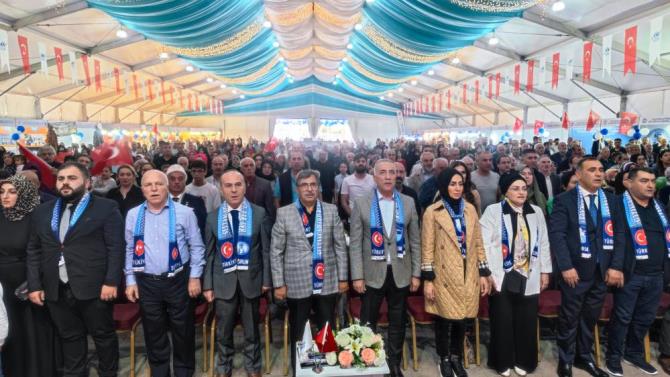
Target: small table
{"points": [[336, 371]]}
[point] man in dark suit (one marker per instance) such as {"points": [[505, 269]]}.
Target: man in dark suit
{"points": [[75, 257], [237, 272], [177, 187], [589, 260], [258, 190], [548, 182]]}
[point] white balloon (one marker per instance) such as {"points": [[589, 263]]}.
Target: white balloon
{"points": [[645, 131], [631, 132]]}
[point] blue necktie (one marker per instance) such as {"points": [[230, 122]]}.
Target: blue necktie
{"points": [[593, 210], [235, 214]]}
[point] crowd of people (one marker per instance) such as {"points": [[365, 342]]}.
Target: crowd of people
{"points": [[307, 226]]}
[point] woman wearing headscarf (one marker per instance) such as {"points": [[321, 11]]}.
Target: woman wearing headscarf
{"points": [[454, 267], [29, 349], [470, 193], [517, 250]]}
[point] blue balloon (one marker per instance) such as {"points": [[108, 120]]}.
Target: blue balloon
{"points": [[21, 129], [80, 134], [16, 137], [541, 131], [637, 135], [604, 131]]}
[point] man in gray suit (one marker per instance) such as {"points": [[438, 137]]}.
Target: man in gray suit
{"points": [[237, 271], [308, 257], [385, 252]]}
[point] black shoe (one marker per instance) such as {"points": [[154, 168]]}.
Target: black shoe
{"points": [[614, 368], [457, 366], [444, 368], [564, 370], [395, 371], [591, 368], [642, 365]]}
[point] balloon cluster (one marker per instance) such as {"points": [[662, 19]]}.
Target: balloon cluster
{"points": [[505, 137], [16, 136], [638, 133]]}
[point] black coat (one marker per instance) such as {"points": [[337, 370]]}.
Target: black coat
{"points": [[199, 209], [93, 250]]}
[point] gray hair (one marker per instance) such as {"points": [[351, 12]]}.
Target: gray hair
{"points": [[382, 161], [437, 161], [163, 176], [306, 173], [248, 159]]}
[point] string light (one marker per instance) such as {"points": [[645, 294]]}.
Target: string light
{"points": [[371, 75], [254, 76], [296, 16], [224, 47], [399, 52], [496, 5], [325, 15]]}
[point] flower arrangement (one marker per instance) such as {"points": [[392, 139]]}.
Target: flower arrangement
{"points": [[359, 347]]}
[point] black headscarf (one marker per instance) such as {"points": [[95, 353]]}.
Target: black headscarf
{"points": [[443, 181]]}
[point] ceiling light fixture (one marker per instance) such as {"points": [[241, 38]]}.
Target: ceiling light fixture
{"points": [[121, 33], [210, 80], [414, 82], [275, 44], [455, 60], [222, 86], [390, 94], [281, 58], [242, 96], [189, 68], [267, 24], [344, 59], [350, 46], [358, 26], [163, 55], [381, 98], [493, 40], [558, 6], [400, 90], [431, 72], [234, 91]]}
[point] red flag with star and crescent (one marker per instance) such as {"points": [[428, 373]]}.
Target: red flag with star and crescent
{"points": [[517, 78], [536, 127], [25, 57], [110, 154], [59, 62], [325, 340], [87, 72], [627, 121], [565, 121], [555, 69], [593, 119], [630, 51], [588, 50], [531, 75], [518, 125]]}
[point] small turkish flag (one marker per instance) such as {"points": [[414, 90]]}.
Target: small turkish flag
{"points": [[87, 72], [111, 154], [135, 86], [588, 49], [565, 121], [630, 51], [592, 120], [117, 78], [465, 93], [98, 78], [449, 99], [325, 340], [517, 78], [477, 91], [627, 121], [490, 86], [47, 176], [25, 57], [555, 69], [531, 75], [59, 62], [497, 84], [518, 125], [536, 128]]}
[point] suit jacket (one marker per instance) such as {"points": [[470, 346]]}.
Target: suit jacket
{"points": [[93, 250], [564, 237], [374, 272], [542, 183], [262, 196], [252, 280], [291, 252], [199, 209]]}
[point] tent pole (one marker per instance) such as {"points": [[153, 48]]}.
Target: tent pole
{"points": [[63, 101], [594, 97], [15, 84], [104, 107], [541, 104]]}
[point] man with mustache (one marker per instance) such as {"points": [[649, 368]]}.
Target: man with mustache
{"points": [[75, 256]]}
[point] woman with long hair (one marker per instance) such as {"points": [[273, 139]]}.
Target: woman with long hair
{"points": [[535, 195]]}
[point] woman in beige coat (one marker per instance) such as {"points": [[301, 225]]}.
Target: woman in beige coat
{"points": [[454, 267]]}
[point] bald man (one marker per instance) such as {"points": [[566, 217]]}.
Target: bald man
{"points": [[164, 262]]}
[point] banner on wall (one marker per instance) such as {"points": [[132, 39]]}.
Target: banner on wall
{"points": [[64, 128]]}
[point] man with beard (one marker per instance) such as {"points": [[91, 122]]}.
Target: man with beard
{"points": [[75, 257], [356, 185]]}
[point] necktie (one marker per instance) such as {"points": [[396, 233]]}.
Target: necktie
{"points": [[593, 210], [235, 214], [64, 226], [175, 199]]}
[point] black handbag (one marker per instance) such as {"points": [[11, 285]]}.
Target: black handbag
{"points": [[514, 282]]}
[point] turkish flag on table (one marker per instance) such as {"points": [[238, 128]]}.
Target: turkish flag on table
{"points": [[111, 154], [25, 57], [325, 340], [46, 171], [59, 62], [517, 78], [630, 51], [592, 120], [531, 75], [627, 121], [565, 121], [518, 125], [536, 128], [588, 49]]}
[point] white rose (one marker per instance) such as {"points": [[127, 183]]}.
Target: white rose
{"points": [[331, 358], [381, 358], [342, 339], [368, 340]]}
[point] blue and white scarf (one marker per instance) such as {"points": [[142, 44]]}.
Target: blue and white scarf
{"points": [[637, 231], [78, 211], [174, 257], [377, 228], [234, 255], [608, 227], [508, 259], [459, 224], [318, 267]]}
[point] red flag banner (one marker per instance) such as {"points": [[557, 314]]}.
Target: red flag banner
{"points": [[465, 93], [555, 69], [477, 91], [197, 103], [440, 103], [432, 100], [536, 127], [497, 84], [588, 49], [449, 99], [135, 86], [98, 78], [87, 72], [630, 51], [181, 100], [190, 103], [117, 78], [110, 154], [151, 90], [163, 91], [627, 122], [324, 339], [593, 119], [517, 78], [46, 171], [490, 86], [59, 62], [531, 75], [25, 57], [171, 95], [565, 121], [518, 126]]}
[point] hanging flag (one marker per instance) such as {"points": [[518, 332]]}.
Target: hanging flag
{"points": [[4, 51], [570, 67], [627, 122], [490, 86], [630, 51], [126, 83], [497, 84], [190, 103], [449, 99], [117, 78], [42, 49], [87, 72], [518, 126], [432, 99], [655, 29], [59, 62], [465, 93], [517, 78], [586, 64], [137, 95], [163, 90], [543, 72], [171, 95], [98, 78], [197, 103], [531, 75], [477, 91], [157, 87], [25, 57], [592, 120], [221, 108], [151, 91], [607, 55], [555, 69], [536, 127], [211, 107], [565, 121], [114, 154], [72, 57], [440, 103], [47, 176]]}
